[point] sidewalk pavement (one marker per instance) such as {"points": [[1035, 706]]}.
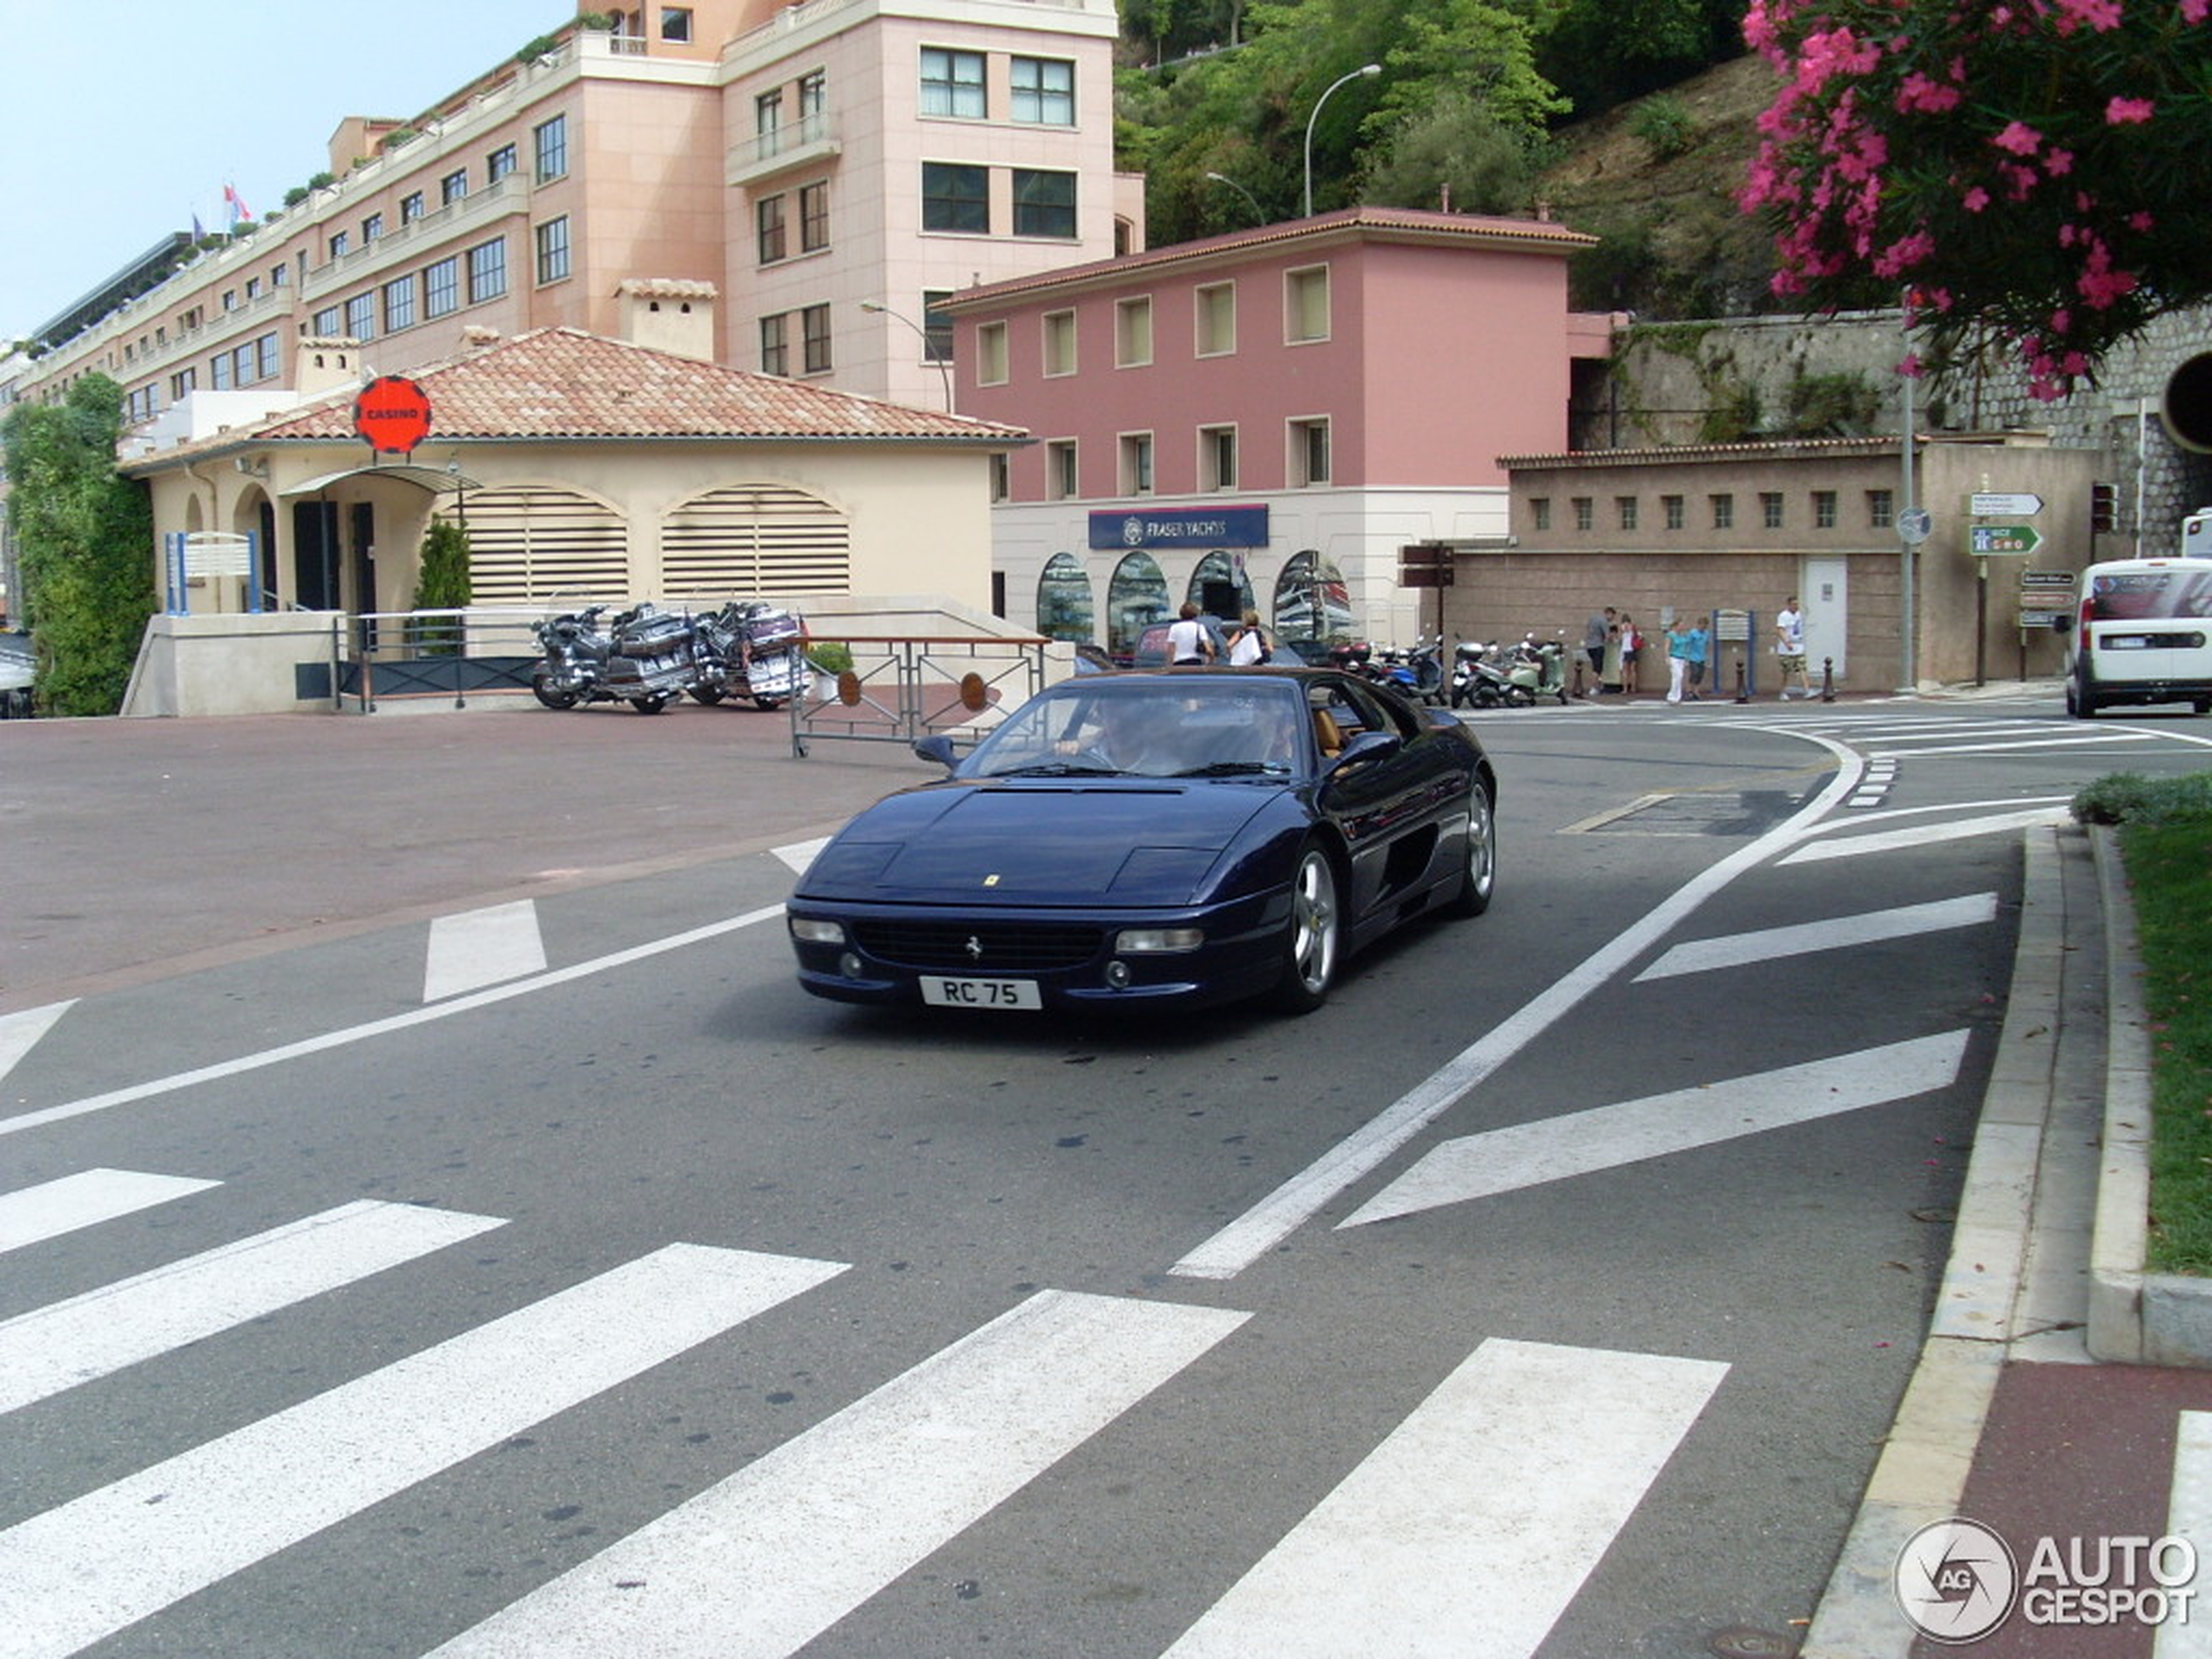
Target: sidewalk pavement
{"points": [[2008, 1420]]}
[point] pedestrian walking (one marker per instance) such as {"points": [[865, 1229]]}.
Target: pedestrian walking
{"points": [[1679, 638], [1790, 648], [1631, 648], [1701, 647], [1597, 634]]}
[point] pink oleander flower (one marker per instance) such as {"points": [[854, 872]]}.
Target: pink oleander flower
{"points": [[1918, 94], [1975, 200], [2129, 112], [2194, 10], [1910, 367], [2058, 162], [2061, 320], [2141, 219], [2100, 15], [2021, 139]]}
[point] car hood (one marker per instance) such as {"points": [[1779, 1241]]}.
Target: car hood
{"points": [[1026, 842]]}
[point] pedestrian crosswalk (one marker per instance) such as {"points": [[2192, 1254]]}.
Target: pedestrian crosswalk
{"points": [[1468, 1528]]}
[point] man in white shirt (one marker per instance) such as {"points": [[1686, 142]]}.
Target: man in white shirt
{"points": [[1189, 645], [1790, 648]]}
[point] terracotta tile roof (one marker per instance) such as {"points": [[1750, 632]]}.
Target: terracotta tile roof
{"points": [[564, 383]]}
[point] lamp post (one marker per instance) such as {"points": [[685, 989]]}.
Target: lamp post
{"points": [[1366, 70], [1259, 213], [944, 371]]}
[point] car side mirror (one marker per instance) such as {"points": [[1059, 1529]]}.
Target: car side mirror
{"points": [[1368, 745], [938, 747]]}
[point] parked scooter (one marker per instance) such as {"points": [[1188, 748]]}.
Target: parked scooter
{"points": [[1538, 671], [752, 649], [1479, 678], [646, 658]]}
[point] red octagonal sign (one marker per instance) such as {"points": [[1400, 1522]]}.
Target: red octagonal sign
{"points": [[393, 413]]}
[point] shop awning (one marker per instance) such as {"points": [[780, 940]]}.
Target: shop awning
{"points": [[436, 480]]}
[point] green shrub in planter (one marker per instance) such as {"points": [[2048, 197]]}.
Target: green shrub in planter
{"points": [[829, 656], [443, 585]]}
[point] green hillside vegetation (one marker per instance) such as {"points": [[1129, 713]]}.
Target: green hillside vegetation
{"points": [[1630, 120]]}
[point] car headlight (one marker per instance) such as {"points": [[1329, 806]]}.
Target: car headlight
{"points": [[1156, 942], [814, 930]]}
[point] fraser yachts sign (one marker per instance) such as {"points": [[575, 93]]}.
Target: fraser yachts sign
{"points": [[1179, 527]]}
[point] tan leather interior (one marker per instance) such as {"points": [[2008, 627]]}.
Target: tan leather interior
{"points": [[1327, 734]]}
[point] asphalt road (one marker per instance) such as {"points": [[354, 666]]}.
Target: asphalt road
{"points": [[1547, 1293]]}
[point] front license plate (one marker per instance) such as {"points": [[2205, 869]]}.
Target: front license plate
{"points": [[942, 992]]}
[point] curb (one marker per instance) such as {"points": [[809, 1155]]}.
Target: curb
{"points": [[1921, 1474]]}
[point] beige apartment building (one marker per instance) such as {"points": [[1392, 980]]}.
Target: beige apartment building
{"points": [[828, 169]]}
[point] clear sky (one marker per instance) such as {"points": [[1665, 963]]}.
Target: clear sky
{"points": [[119, 121]]}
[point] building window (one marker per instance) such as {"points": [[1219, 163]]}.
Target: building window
{"points": [[1540, 512], [955, 196], [487, 270], [1133, 332], [1137, 464], [813, 218], [399, 304], [1045, 203], [1881, 512], [768, 123], [768, 227], [1217, 457], [339, 241], [328, 324], [1001, 477], [453, 187], [441, 288], [1044, 91], [1585, 513], [1061, 478], [1723, 512], [182, 384], [1771, 509], [1624, 508], [775, 344], [500, 162], [990, 354], [676, 23], [952, 83], [266, 346], [372, 228], [549, 148], [1670, 507], [410, 207], [219, 372], [813, 104], [280, 275], [1216, 304], [253, 289], [553, 250], [936, 326], [814, 328], [361, 316], [1059, 342], [246, 360], [1305, 305], [1310, 452], [1823, 510]]}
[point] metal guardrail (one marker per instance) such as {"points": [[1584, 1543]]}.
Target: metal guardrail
{"points": [[422, 654], [902, 687]]}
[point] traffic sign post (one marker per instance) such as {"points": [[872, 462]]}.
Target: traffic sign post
{"points": [[1992, 503], [1991, 540]]}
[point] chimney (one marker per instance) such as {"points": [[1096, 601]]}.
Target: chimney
{"points": [[326, 365], [668, 313]]}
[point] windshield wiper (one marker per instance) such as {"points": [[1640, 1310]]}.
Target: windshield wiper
{"points": [[1235, 769], [1059, 769]]}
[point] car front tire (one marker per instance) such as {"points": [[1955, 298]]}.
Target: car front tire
{"points": [[1314, 936], [1481, 876]]}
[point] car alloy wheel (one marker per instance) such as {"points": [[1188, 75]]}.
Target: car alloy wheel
{"points": [[1473, 896], [1315, 932]]}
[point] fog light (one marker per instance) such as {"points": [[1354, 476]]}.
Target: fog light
{"points": [[851, 966], [1117, 975], [817, 931], [1155, 941]]}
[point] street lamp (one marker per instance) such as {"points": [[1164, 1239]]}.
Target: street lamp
{"points": [[1364, 70], [1259, 213], [944, 371]]}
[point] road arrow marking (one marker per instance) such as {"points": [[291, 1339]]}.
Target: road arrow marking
{"points": [[1528, 1155], [800, 854], [1871, 927], [18, 1032], [1926, 835]]}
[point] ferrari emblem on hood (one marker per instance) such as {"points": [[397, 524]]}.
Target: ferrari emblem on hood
{"points": [[974, 949]]}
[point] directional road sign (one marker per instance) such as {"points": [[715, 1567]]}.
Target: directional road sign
{"points": [[2004, 538], [1998, 504], [1914, 526]]}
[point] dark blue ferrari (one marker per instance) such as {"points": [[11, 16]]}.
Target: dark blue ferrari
{"points": [[1189, 836]]}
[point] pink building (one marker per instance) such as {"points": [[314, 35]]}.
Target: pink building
{"points": [[1281, 409]]}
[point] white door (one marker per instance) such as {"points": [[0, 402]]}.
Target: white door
{"points": [[1827, 601]]}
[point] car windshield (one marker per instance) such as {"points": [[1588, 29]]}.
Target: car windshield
{"points": [[1237, 726]]}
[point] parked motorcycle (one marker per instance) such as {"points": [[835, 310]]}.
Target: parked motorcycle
{"points": [[1479, 678], [753, 650], [1538, 671], [645, 658]]}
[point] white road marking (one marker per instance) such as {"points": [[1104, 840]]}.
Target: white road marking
{"points": [[1468, 1532], [2088, 740], [1604, 1137], [2189, 1516], [58, 1347], [20, 1031], [90, 1196], [481, 948], [1926, 835], [385, 1027], [800, 854], [1242, 1241], [763, 1562], [1838, 932], [92, 1567]]}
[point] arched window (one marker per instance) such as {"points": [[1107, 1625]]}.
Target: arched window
{"points": [[1312, 601], [1218, 566], [1063, 600], [1137, 596], [755, 538], [529, 542]]}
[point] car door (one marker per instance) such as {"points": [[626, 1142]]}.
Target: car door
{"points": [[1389, 807]]}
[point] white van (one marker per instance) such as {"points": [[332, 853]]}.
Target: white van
{"points": [[2143, 634]]}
